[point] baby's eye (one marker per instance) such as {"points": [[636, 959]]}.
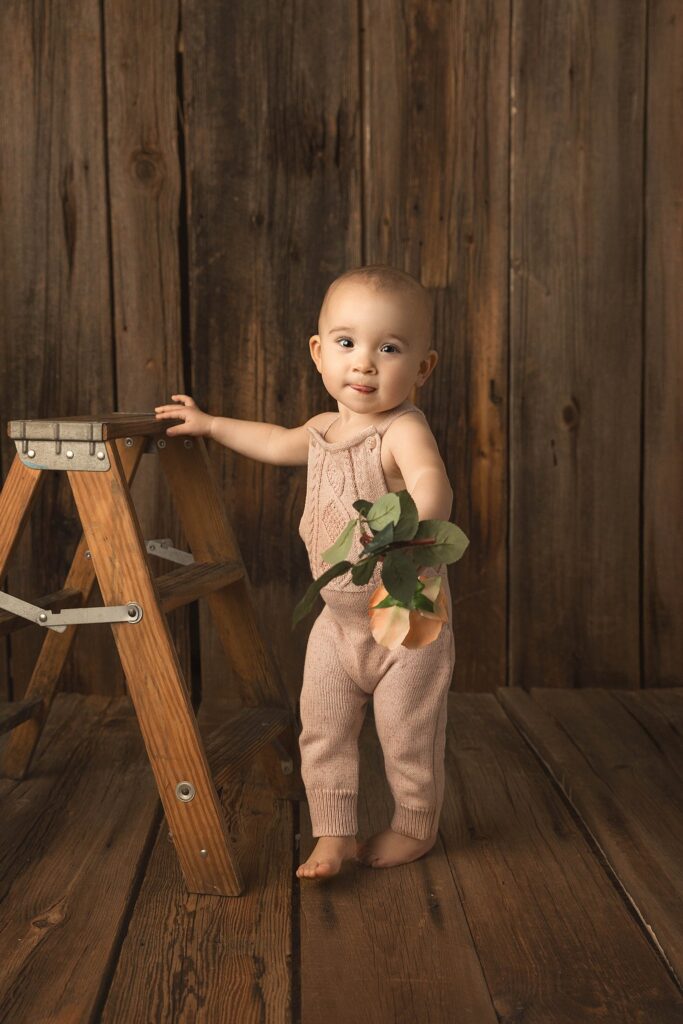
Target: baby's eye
{"points": [[339, 341], [389, 345]]}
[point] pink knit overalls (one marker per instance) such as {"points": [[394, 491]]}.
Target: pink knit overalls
{"points": [[344, 665]]}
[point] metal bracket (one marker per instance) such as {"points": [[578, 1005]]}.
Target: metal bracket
{"points": [[58, 621], [164, 549], [55, 453]]}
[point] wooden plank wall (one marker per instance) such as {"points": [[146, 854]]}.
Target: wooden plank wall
{"points": [[55, 296], [181, 181]]}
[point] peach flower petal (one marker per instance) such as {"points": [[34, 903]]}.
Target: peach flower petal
{"points": [[390, 625], [394, 626]]}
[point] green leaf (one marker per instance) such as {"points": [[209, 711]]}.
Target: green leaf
{"points": [[421, 603], [306, 603], [386, 509], [388, 602], [340, 548], [380, 540], [449, 543], [399, 576], [361, 572], [409, 519], [362, 506]]}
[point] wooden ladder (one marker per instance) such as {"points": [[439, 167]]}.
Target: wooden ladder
{"points": [[100, 458]]}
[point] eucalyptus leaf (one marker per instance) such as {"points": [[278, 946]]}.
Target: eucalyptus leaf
{"points": [[386, 509], [449, 544], [306, 603], [340, 548]]}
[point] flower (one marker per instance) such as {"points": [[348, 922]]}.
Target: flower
{"points": [[396, 624]]}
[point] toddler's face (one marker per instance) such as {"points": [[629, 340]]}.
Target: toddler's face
{"points": [[377, 338]]}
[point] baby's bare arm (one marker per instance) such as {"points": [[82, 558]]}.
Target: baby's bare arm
{"points": [[417, 456], [264, 442]]}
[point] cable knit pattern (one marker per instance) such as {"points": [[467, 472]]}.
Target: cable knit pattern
{"points": [[339, 473], [345, 667]]}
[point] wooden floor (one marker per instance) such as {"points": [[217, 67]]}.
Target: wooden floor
{"points": [[553, 893]]}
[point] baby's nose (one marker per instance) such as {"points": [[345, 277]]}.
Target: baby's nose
{"points": [[363, 362]]}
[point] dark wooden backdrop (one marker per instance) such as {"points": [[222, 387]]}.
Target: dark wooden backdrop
{"points": [[180, 181]]}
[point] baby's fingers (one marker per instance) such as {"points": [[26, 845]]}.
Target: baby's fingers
{"points": [[170, 411]]}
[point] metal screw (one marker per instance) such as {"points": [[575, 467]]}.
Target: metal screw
{"points": [[42, 617], [100, 455], [31, 454], [88, 555], [203, 853], [187, 443], [185, 791], [129, 442], [161, 443], [69, 454], [134, 612]]}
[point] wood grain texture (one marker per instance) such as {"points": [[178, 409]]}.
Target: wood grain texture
{"points": [[55, 312], [47, 675], [662, 489], [12, 713], [555, 938], [576, 343], [435, 203], [609, 754], [17, 499], [155, 681], [73, 845], [213, 961], [384, 945], [145, 178], [272, 123], [181, 182]]}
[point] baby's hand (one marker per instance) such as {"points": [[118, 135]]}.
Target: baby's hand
{"points": [[196, 422]]}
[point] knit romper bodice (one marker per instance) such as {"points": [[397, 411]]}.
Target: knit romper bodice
{"points": [[339, 473]]}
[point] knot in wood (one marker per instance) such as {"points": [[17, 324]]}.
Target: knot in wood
{"points": [[570, 413], [148, 167]]}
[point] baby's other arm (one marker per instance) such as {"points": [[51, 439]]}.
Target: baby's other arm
{"points": [[416, 453], [264, 442]]}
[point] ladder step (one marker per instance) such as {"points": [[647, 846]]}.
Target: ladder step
{"points": [[68, 598], [236, 741], [13, 713], [188, 582]]}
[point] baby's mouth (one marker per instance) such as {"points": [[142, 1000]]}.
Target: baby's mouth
{"points": [[365, 388]]}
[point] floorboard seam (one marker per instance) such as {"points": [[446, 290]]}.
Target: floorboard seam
{"points": [[143, 863], [599, 854]]}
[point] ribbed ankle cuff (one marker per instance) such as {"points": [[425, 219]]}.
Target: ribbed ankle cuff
{"points": [[333, 812], [416, 822]]}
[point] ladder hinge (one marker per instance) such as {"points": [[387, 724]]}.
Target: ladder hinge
{"points": [[58, 621], [164, 549]]}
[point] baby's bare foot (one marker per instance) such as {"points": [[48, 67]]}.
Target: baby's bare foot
{"points": [[388, 848], [327, 856]]}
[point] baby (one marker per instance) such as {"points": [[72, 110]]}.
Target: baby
{"points": [[373, 347]]}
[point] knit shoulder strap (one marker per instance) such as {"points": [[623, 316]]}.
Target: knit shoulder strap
{"points": [[398, 411]]}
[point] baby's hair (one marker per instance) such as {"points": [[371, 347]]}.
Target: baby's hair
{"points": [[385, 278]]}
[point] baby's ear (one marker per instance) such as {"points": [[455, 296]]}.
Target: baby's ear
{"points": [[314, 347]]}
